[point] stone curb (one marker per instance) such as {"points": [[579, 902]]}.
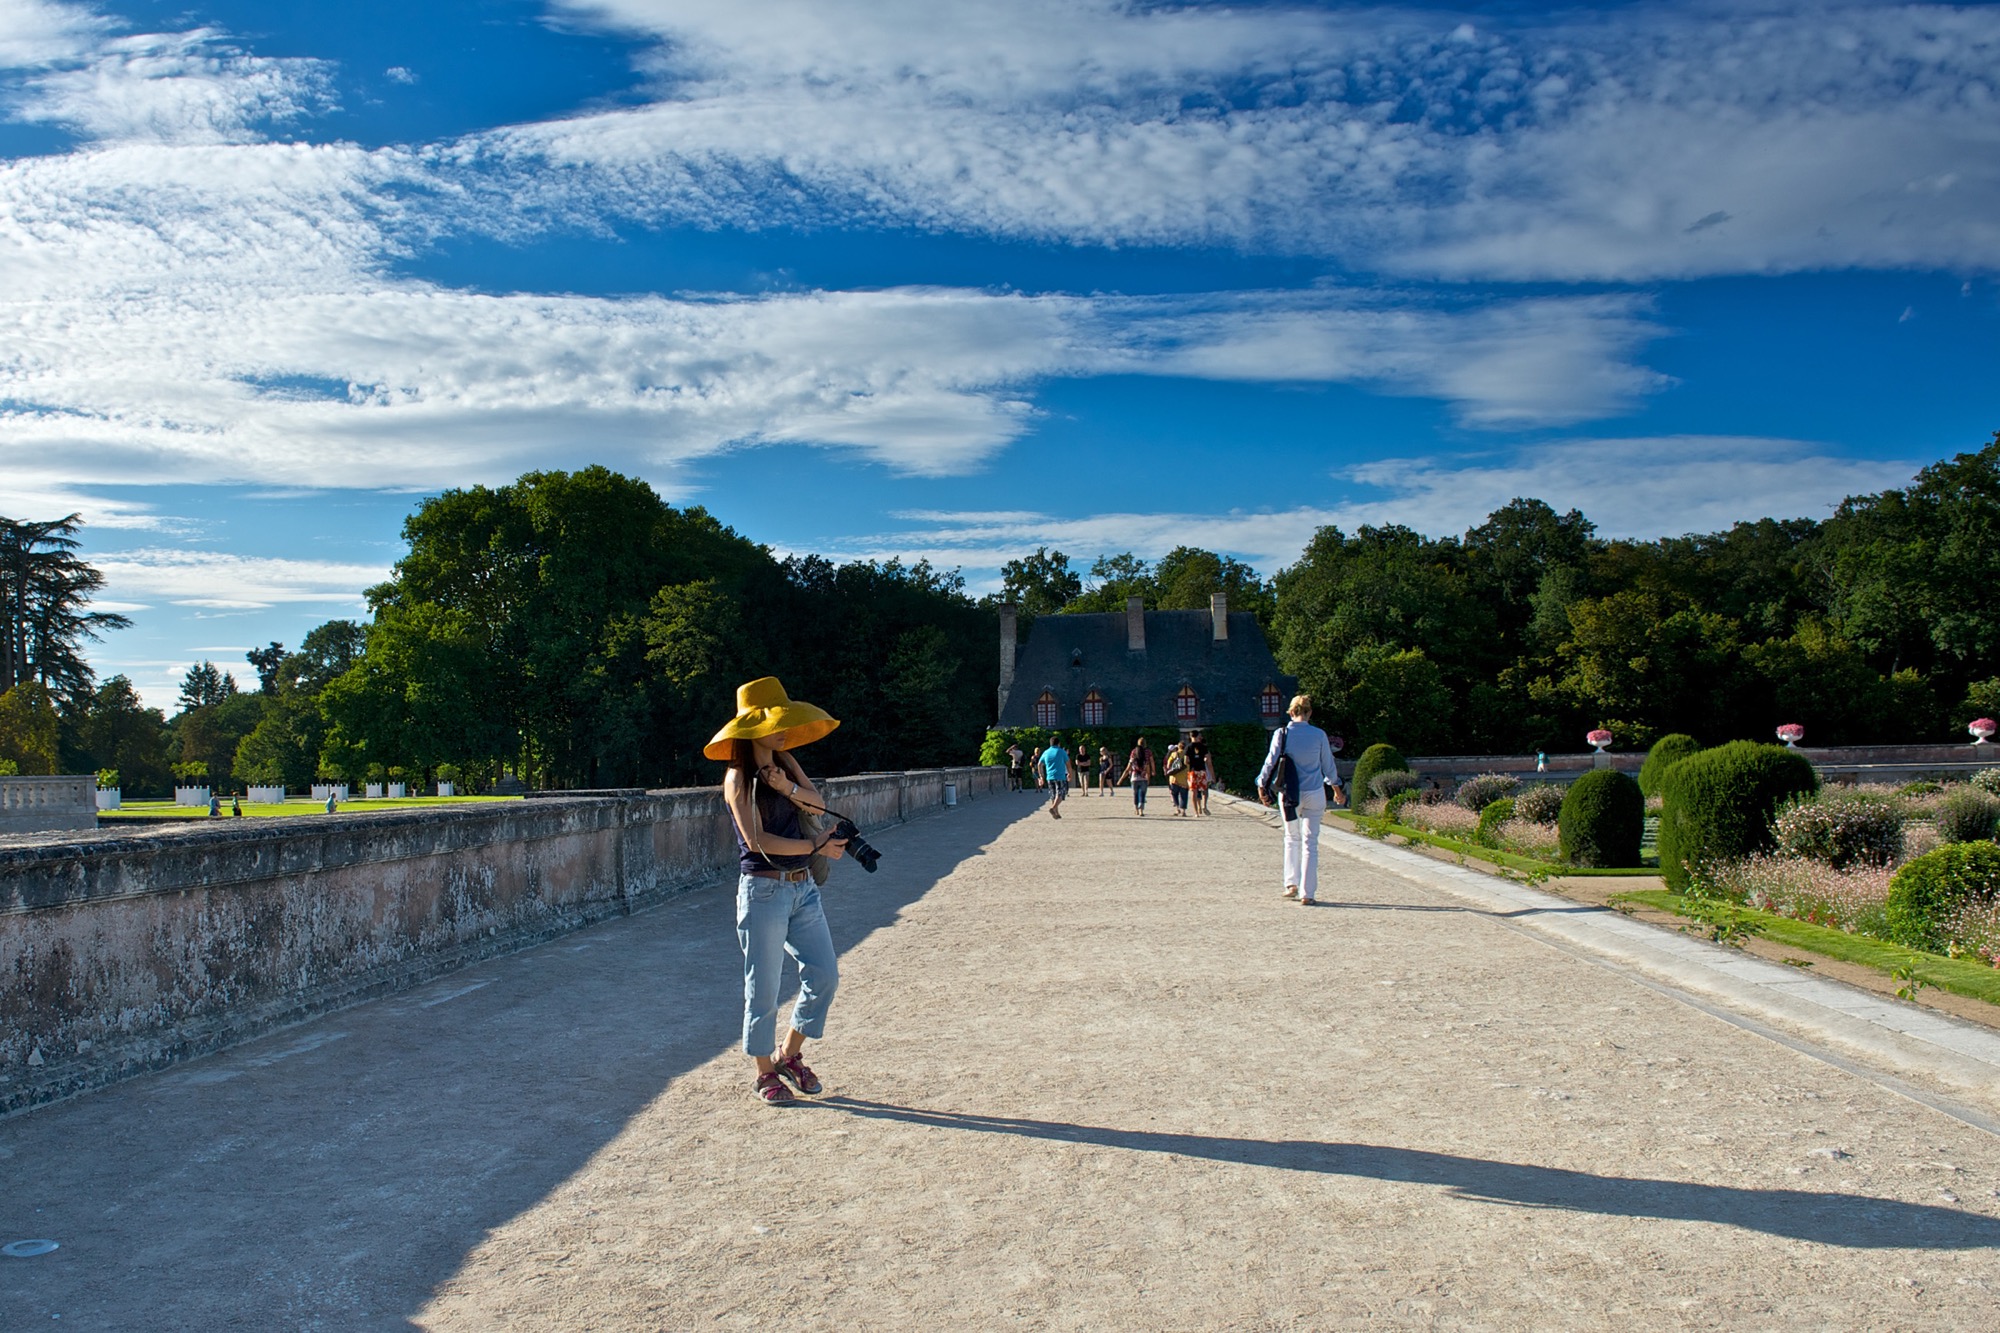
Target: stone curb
{"points": [[1886, 1034]]}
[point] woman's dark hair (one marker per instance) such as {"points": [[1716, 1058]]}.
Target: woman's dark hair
{"points": [[743, 759]]}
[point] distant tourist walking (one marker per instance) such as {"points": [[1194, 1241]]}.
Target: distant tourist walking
{"points": [[1139, 768], [1295, 776], [1177, 778], [1107, 771], [1014, 766], [778, 908], [1054, 763], [1082, 768], [1201, 771]]}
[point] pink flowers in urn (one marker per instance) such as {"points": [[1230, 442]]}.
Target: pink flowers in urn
{"points": [[1791, 734], [1981, 728], [1599, 738]]}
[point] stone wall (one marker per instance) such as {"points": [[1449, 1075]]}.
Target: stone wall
{"points": [[39, 805], [1852, 763], [123, 951]]}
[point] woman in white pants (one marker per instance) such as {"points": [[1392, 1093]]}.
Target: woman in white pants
{"points": [[1304, 805]]}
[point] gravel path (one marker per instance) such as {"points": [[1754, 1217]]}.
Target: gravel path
{"points": [[1088, 1074]]}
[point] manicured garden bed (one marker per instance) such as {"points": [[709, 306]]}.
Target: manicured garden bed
{"points": [[1968, 977], [1377, 826]]}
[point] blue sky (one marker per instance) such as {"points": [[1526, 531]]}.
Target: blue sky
{"points": [[951, 279]]}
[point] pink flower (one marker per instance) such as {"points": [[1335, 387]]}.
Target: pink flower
{"points": [[1791, 733], [1600, 738], [1981, 727]]}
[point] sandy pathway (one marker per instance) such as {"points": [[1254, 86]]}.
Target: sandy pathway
{"points": [[1087, 1075]]}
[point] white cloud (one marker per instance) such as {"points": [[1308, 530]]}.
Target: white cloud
{"points": [[219, 580], [409, 386], [1644, 143], [1637, 488], [37, 33]]}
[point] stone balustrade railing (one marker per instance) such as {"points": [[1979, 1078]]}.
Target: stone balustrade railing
{"points": [[40, 805]]}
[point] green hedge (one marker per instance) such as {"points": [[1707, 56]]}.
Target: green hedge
{"points": [[1238, 748], [1925, 892], [1379, 758], [1492, 817], [1666, 752], [1602, 820], [1720, 803]]}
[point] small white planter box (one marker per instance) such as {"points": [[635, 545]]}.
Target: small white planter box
{"points": [[108, 798], [266, 796], [447, 789], [190, 796], [322, 790], [398, 790], [372, 791]]}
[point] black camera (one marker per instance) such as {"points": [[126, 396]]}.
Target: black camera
{"points": [[857, 846]]}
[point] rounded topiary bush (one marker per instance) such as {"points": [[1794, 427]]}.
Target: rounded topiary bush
{"points": [[1477, 793], [1666, 752], [1539, 805], [1967, 815], [1720, 803], [1492, 817], [1381, 758], [1394, 809], [1929, 890], [1841, 829], [1603, 816]]}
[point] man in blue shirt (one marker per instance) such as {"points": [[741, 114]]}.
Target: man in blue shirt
{"points": [[1312, 759], [1054, 763]]}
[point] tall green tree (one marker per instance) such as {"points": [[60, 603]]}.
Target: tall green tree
{"points": [[45, 588]]}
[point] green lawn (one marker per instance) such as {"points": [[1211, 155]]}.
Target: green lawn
{"points": [[1532, 865], [1970, 978], [301, 806]]}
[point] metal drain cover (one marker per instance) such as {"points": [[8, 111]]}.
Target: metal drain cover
{"points": [[27, 1249]]}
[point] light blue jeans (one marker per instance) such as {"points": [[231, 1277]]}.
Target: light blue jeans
{"points": [[775, 917]]}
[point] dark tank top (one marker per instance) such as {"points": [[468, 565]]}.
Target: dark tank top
{"points": [[781, 819]]}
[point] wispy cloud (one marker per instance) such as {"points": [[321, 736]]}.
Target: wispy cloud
{"points": [[1638, 488], [411, 386], [216, 580], [1658, 141]]}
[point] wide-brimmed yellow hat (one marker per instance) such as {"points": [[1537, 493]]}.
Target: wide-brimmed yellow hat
{"points": [[764, 713]]}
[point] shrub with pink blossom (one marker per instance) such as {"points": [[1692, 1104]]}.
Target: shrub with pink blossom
{"points": [[1974, 931], [1529, 836], [1810, 891], [1540, 804], [1475, 794], [1448, 820], [1988, 781], [1841, 829]]}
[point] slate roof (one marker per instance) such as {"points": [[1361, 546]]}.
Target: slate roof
{"points": [[1073, 655]]}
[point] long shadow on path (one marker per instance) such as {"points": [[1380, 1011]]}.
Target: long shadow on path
{"points": [[333, 1175], [1848, 1220]]}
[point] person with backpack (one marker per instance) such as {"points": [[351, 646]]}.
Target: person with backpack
{"points": [[1295, 776], [1177, 779], [1139, 768]]}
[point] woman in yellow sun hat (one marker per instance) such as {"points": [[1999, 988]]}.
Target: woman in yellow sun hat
{"points": [[778, 908]]}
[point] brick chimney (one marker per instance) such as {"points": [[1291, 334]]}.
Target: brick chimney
{"points": [[1135, 624], [1008, 614], [1218, 607]]}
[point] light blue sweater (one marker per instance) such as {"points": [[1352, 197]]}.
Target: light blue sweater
{"points": [[1311, 752]]}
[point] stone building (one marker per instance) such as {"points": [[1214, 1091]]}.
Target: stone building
{"points": [[1141, 669]]}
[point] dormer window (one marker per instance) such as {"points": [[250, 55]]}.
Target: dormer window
{"points": [[1270, 703], [1187, 708], [1047, 711], [1075, 658], [1093, 709]]}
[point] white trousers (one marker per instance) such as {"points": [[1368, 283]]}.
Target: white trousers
{"points": [[1302, 844]]}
